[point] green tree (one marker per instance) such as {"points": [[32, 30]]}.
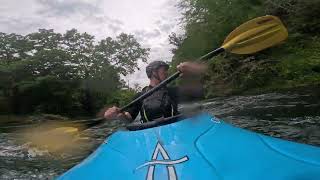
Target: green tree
{"points": [[63, 73], [206, 23]]}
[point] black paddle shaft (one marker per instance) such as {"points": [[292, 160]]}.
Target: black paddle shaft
{"points": [[97, 121]]}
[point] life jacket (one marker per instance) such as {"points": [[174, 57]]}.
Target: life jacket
{"points": [[158, 104]]}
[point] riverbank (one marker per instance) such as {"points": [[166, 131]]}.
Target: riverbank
{"points": [[225, 91], [293, 64], [274, 71]]}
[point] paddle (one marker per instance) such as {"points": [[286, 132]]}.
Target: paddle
{"points": [[253, 36]]}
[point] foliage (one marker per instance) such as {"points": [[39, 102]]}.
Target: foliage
{"points": [[207, 23], [70, 73], [122, 97]]}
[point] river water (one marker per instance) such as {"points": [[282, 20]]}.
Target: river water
{"points": [[290, 116]]}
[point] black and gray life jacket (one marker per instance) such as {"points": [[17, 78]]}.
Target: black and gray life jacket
{"points": [[160, 104]]}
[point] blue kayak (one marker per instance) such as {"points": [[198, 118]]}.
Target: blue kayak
{"points": [[198, 148]]}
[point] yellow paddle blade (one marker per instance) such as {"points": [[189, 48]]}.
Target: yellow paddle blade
{"points": [[255, 35], [63, 130], [57, 139]]}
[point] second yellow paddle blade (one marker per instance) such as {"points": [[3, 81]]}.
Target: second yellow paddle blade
{"points": [[57, 139], [256, 35]]}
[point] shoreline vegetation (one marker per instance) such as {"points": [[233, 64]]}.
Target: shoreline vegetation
{"points": [[290, 65], [69, 74]]}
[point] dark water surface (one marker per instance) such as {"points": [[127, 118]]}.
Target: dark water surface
{"points": [[289, 116]]}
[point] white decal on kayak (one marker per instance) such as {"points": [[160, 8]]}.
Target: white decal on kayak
{"points": [[215, 120], [166, 161]]}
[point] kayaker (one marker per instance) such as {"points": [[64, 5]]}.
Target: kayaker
{"points": [[162, 103]]}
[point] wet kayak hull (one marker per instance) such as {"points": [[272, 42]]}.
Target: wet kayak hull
{"points": [[201, 147]]}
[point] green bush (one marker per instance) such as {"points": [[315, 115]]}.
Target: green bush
{"points": [[292, 63]]}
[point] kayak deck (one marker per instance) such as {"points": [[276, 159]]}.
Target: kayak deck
{"points": [[201, 147]]}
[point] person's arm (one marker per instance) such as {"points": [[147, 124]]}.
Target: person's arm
{"points": [[192, 68], [175, 97], [191, 87], [135, 108], [129, 115]]}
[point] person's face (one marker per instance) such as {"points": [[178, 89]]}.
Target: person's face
{"points": [[162, 73]]}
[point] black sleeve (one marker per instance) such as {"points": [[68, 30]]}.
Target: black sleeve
{"points": [[174, 95], [190, 91], [135, 108]]}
